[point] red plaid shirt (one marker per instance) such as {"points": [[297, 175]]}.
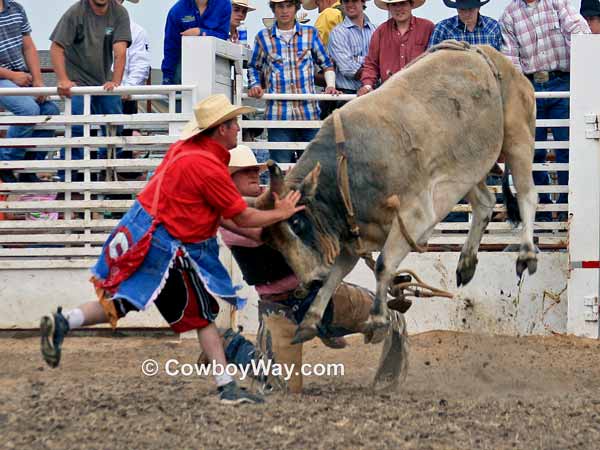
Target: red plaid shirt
{"points": [[538, 36]]}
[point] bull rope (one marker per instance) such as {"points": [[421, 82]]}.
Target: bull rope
{"points": [[415, 288]]}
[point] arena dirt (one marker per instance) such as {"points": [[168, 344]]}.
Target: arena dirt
{"points": [[463, 392]]}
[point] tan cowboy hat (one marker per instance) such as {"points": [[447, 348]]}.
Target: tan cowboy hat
{"points": [[210, 112], [301, 17], [243, 157], [243, 3], [383, 4], [309, 5]]}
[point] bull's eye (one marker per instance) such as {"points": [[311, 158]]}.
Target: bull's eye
{"points": [[297, 224]]}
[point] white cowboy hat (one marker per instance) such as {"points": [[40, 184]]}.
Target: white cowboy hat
{"points": [[243, 3], [383, 4], [242, 157], [210, 112]]}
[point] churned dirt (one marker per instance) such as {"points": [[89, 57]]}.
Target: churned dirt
{"points": [[463, 391]]}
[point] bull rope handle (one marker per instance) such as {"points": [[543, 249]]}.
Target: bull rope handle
{"points": [[417, 288]]}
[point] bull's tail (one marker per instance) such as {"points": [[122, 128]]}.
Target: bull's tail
{"points": [[510, 200]]}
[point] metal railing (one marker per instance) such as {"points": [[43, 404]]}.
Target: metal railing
{"points": [[77, 215], [450, 235]]}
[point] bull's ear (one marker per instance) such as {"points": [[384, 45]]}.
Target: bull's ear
{"points": [[309, 185], [276, 179]]}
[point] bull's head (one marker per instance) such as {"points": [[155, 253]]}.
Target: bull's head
{"points": [[305, 239]]}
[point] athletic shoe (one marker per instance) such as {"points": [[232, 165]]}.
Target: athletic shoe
{"points": [[231, 394], [53, 329]]}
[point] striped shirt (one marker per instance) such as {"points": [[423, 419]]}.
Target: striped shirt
{"points": [[348, 47], [487, 31], [288, 68], [13, 26], [537, 36]]}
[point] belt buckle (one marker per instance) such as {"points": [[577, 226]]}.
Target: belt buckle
{"points": [[541, 77]]}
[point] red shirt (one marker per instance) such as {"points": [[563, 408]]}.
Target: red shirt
{"points": [[196, 192], [389, 51]]}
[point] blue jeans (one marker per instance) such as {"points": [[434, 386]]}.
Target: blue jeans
{"points": [[24, 106], [552, 108], [289, 135], [100, 104]]}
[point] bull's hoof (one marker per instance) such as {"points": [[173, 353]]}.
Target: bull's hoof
{"points": [[376, 330], [465, 270], [304, 334], [527, 260]]}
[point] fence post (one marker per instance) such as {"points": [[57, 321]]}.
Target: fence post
{"points": [[206, 62], [584, 189]]}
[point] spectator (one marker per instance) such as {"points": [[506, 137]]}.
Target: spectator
{"points": [[330, 16], [537, 38], [349, 45], [137, 66], [20, 67], [468, 26], [91, 27], [285, 57], [239, 11], [192, 18], [395, 43], [590, 10]]}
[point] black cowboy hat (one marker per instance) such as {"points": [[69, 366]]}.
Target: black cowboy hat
{"points": [[465, 4], [590, 8]]}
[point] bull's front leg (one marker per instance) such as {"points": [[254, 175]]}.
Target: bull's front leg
{"points": [[307, 330], [394, 251]]}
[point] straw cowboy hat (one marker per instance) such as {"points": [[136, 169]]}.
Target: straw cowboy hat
{"points": [[210, 112], [383, 4], [242, 157], [309, 5], [301, 17], [243, 3], [465, 4]]}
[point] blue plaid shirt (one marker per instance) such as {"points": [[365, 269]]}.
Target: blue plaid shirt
{"points": [[487, 31], [288, 68]]}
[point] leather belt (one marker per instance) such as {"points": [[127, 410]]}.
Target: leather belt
{"points": [[544, 76]]}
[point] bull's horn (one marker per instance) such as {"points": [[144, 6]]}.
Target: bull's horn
{"points": [[276, 181], [309, 185]]}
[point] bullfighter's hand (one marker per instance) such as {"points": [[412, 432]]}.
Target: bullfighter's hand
{"points": [[332, 91], [191, 32], [256, 92], [287, 204]]}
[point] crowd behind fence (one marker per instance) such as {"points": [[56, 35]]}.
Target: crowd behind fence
{"points": [[63, 223]]}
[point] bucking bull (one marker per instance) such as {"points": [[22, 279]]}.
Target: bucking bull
{"points": [[413, 148]]}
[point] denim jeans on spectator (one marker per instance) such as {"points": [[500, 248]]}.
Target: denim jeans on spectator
{"points": [[100, 104], [552, 108], [24, 106], [289, 135]]}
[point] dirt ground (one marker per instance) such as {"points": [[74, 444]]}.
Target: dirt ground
{"points": [[463, 391]]}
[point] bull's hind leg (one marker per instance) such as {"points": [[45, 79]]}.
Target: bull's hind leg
{"points": [[519, 159], [308, 327], [482, 201]]}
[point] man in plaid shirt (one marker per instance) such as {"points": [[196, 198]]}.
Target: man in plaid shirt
{"points": [[537, 38], [284, 59], [468, 26]]}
